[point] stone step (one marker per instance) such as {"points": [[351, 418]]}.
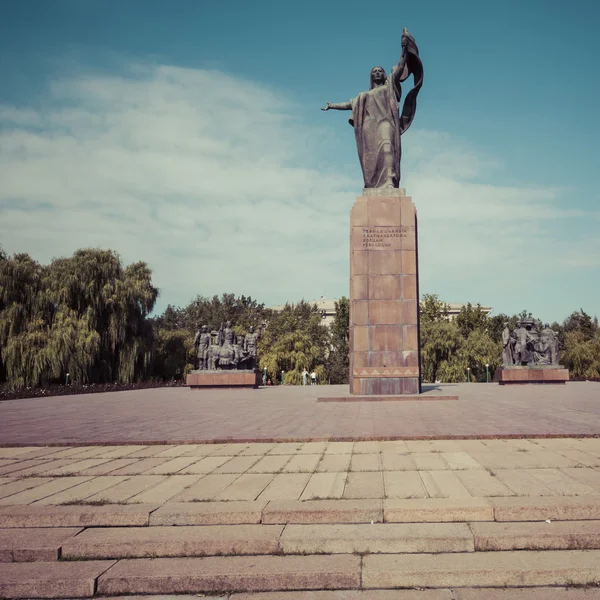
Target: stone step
{"points": [[422, 510], [540, 508], [108, 515], [481, 569], [553, 535], [51, 579], [209, 513], [34, 544], [545, 593], [323, 511], [231, 573], [377, 538], [142, 542], [215, 540], [242, 577]]}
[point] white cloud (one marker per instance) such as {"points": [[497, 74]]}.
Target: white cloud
{"points": [[216, 183]]}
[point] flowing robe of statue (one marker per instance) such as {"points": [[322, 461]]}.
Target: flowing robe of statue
{"points": [[378, 124], [507, 350]]}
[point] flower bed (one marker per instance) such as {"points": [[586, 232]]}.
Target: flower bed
{"points": [[92, 388]]}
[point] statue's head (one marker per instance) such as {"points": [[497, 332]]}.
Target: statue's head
{"points": [[251, 329], [204, 329], [228, 324], [378, 77]]}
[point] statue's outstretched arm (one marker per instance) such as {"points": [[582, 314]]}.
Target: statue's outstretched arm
{"points": [[339, 106]]}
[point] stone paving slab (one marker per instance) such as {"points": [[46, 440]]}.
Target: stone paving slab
{"points": [[324, 485], [480, 569], [39, 492], [377, 538], [483, 410], [143, 542], [110, 515], [12, 487], [51, 579], [209, 513], [323, 511], [35, 544], [553, 535], [235, 573]]}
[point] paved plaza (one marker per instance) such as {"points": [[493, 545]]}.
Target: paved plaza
{"points": [[288, 413], [267, 521], [121, 495], [455, 469]]}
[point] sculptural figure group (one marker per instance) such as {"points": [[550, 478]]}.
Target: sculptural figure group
{"points": [[525, 346], [223, 350]]}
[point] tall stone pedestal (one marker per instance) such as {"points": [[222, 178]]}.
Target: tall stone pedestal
{"points": [[384, 295]]}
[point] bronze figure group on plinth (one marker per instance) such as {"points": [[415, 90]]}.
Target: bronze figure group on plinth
{"points": [[529, 355], [525, 346], [223, 350], [225, 359]]}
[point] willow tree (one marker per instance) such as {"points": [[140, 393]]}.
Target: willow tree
{"points": [[294, 339], [85, 315]]}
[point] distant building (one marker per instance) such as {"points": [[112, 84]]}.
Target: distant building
{"points": [[327, 309], [454, 309], [324, 306]]}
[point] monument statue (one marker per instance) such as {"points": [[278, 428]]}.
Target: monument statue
{"points": [[508, 344], [377, 122], [222, 350], [527, 347], [250, 346], [202, 343]]}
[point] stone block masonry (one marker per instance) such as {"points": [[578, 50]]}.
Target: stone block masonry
{"points": [[384, 295]]}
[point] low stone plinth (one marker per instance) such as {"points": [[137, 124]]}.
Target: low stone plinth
{"points": [[210, 379], [546, 374]]}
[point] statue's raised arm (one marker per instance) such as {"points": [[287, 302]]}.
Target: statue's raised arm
{"points": [[377, 121], [338, 106]]}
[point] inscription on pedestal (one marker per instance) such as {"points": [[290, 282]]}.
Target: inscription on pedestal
{"points": [[382, 238]]}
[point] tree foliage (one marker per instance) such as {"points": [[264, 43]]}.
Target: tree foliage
{"points": [[337, 368], [450, 348], [85, 315], [294, 339]]}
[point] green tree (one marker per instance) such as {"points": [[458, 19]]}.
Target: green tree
{"points": [[440, 343], [581, 354], [440, 338], [338, 362], [470, 319], [478, 350], [242, 311], [172, 353], [294, 339], [85, 315], [581, 322]]}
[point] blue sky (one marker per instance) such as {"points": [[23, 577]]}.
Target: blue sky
{"points": [[188, 134]]}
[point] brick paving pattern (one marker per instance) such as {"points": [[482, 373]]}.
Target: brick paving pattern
{"points": [[172, 415]]}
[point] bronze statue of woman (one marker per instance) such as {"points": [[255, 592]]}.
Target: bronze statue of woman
{"points": [[376, 119]]}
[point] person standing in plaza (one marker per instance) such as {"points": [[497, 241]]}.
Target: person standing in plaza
{"points": [[304, 377], [313, 378]]}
